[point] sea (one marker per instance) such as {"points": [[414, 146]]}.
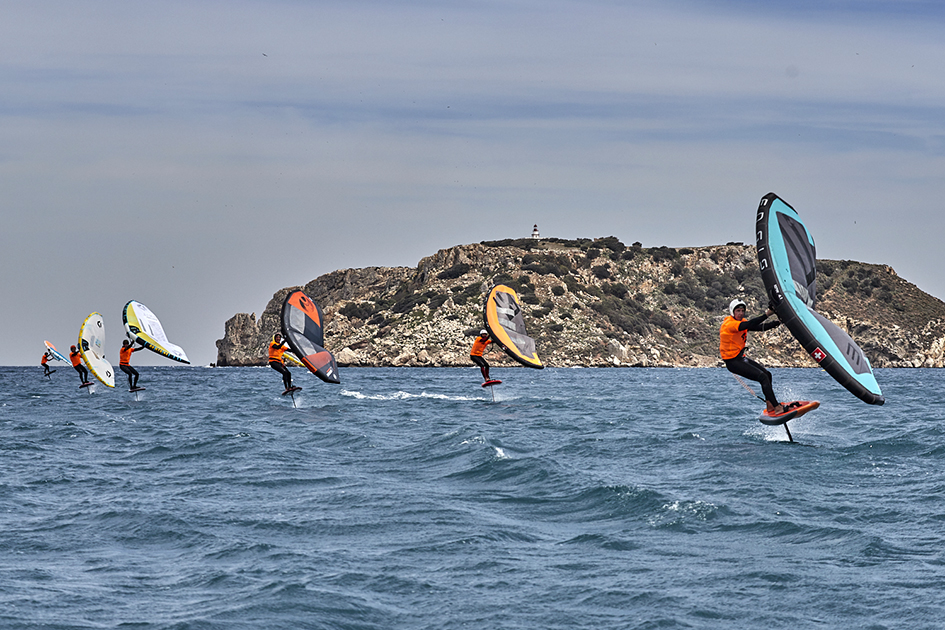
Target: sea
{"points": [[413, 498]]}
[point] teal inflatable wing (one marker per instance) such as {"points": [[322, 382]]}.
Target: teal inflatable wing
{"points": [[788, 261]]}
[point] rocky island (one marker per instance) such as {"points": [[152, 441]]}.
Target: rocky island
{"points": [[593, 303]]}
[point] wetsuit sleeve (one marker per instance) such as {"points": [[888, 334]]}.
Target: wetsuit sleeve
{"points": [[755, 325]]}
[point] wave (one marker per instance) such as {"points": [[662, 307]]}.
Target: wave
{"points": [[407, 499], [402, 395]]}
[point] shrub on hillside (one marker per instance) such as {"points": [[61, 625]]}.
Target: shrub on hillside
{"points": [[357, 310], [457, 270], [659, 254], [628, 315]]}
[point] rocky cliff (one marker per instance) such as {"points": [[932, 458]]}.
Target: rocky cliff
{"points": [[593, 303]]}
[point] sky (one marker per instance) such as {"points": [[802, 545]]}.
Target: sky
{"points": [[199, 156]]}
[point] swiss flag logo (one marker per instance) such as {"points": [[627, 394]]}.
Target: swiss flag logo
{"points": [[818, 355]]}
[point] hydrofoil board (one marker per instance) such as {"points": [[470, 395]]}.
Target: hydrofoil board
{"points": [[292, 390], [137, 389], [494, 381], [792, 410]]}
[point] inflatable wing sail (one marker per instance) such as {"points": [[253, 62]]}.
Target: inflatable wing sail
{"points": [[787, 257], [142, 326], [504, 321], [55, 353], [302, 329], [92, 349]]}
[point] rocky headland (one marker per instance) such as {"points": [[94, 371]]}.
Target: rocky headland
{"points": [[593, 303]]}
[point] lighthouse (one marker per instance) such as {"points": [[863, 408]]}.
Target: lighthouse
{"points": [[535, 233]]}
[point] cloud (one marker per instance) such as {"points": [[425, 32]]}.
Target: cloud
{"points": [[199, 156]]}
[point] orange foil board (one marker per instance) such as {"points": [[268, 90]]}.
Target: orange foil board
{"points": [[793, 410]]}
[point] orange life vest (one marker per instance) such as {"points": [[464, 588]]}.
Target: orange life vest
{"points": [[76, 358], [276, 350], [124, 355], [479, 346], [731, 339], [45, 359]]}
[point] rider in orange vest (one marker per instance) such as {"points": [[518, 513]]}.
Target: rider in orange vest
{"points": [[124, 362], [277, 348], [76, 360], [479, 347], [45, 363], [732, 339]]}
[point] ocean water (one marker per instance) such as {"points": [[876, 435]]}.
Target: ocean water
{"points": [[408, 498]]}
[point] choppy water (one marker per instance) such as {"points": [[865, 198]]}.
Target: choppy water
{"points": [[406, 498]]}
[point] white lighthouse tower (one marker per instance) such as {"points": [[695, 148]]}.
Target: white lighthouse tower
{"points": [[535, 233]]}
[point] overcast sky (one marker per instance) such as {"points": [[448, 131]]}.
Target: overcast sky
{"points": [[198, 156]]}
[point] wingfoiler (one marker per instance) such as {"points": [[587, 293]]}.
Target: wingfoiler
{"points": [[788, 261], [142, 326], [504, 320], [58, 356], [302, 328], [92, 349]]}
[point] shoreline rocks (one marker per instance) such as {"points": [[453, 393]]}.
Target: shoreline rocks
{"points": [[592, 303]]}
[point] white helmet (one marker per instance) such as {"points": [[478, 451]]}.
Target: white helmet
{"points": [[483, 332], [733, 304]]}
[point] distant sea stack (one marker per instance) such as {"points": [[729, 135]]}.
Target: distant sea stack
{"points": [[593, 303]]}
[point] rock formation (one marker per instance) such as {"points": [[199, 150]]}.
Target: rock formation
{"points": [[593, 303]]}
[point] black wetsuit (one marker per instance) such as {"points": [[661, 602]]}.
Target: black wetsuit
{"points": [[131, 372], [124, 364], [479, 360], [752, 370], [276, 351], [475, 355], [280, 367], [83, 373]]}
